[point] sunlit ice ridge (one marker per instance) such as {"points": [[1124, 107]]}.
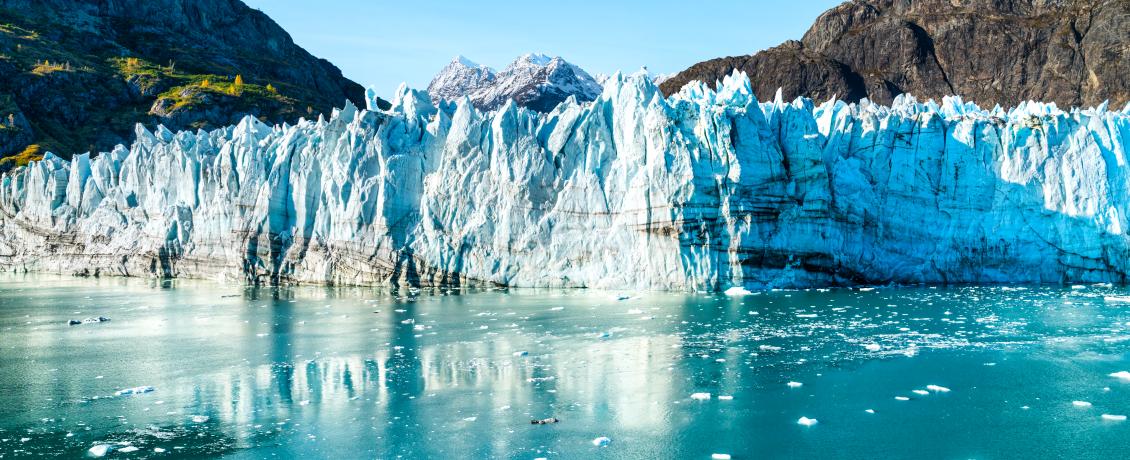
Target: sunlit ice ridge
{"points": [[704, 190]]}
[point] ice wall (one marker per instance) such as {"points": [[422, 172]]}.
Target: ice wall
{"points": [[704, 190]]}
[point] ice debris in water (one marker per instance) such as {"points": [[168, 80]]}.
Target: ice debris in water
{"points": [[902, 398], [737, 291], [921, 392], [937, 388], [725, 398], [134, 391], [1114, 418], [100, 450], [719, 456], [873, 347], [601, 441], [870, 411], [1121, 375], [794, 384], [700, 396], [199, 418], [1080, 404], [807, 421], [128, 449], [100, 319]]}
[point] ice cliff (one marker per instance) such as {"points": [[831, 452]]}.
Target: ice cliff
{"points": [[702, 190]]}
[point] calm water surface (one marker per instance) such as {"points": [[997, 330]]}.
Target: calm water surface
{"points": [[361, 373]]}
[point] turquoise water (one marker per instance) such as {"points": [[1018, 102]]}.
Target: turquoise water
{"points": [[362, 373]]}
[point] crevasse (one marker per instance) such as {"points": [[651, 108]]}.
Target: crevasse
{"points": [[703, 190]]}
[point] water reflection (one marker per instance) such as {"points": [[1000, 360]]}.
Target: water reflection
{"points": [[360, 372]]}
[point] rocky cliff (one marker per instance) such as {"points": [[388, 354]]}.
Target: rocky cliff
{"points": [[1072, 52], [76, 75], [703, 190]]}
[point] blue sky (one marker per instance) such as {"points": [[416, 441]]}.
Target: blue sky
{"points": [[382, 43]]}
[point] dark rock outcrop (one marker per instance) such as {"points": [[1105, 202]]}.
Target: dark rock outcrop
{"points": [[1072, 52], [81, 73]]}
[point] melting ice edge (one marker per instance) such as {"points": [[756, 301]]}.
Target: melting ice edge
{"points": [[703, 190]]}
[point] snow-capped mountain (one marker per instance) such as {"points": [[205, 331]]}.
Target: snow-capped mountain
{"points": [[460, 77], [703, 190], [535, 81]]}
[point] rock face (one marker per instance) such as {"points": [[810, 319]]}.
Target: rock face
{"points": [[704, 190], [533, 81], [81, 73], [1072, 52]]}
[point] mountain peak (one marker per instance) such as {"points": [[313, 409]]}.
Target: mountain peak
{"points": [[461, 60], [533, 80]]}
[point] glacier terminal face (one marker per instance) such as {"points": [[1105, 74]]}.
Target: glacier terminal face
{"points": [[704, 190]]}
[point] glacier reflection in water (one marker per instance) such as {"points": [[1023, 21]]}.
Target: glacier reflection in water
{"points": [[289, 372]]}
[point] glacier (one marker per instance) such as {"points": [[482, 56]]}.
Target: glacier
{"points": [[705, 190]]}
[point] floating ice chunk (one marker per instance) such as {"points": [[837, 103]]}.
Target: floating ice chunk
{"points": [[794, 384], [199, 418], [1117, 299], [470, 419], [807, 421], [725, 398], [937, 388], [99, 450], [870, 411], [719, 456], [902, 398], [1121, 375], [556, 308], [873, 347], [768, 348], [521, 353], [1080, 404], [128, 449], [601, 441], [134, 391], [921, 392], [1114, 418], [737, 291], [700, 396], [158, 450]]}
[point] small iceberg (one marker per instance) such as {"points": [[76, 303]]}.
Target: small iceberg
{"points": [[1114, 418], [719, 456], [873, 347], [1080, 404], [1121, 375], [921, 392], [937, 388], [807, 421], [870, 411], [737, 291], [902, 398], [1117, 299], [200, 418], [100, 319], [700, 396], [794, 384], [725, 398], [134, 391], [601, 441], [99, 450]]}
